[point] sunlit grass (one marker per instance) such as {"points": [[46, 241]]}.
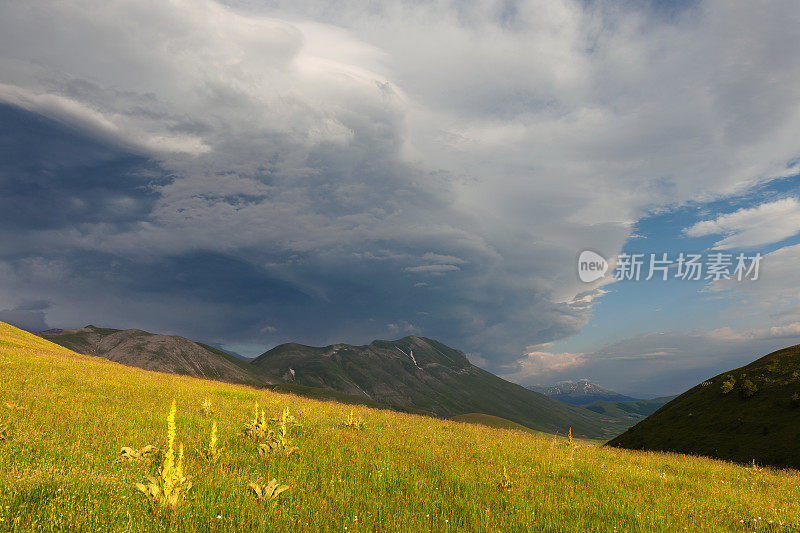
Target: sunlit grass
{"points": [[71, 415]]}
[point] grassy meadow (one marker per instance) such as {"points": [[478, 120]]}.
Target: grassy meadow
{"points": [[64, 418]]}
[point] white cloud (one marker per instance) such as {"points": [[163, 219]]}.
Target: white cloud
{"points": [[403, 328], [786, 331], [755, 226], [439, 258], [432, 269], [658, 363], [777, 286], [540, 365]]}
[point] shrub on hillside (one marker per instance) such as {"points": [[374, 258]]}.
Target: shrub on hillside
{"points": [[747, 389], [728, 384]]}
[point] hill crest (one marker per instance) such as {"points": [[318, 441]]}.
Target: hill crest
{"points": [[163, 353], [751, 413]]}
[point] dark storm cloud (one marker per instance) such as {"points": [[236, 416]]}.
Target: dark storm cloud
{"points": [[27, 320], [28, 315], [34, 305], [54, 176], [209, 276]]}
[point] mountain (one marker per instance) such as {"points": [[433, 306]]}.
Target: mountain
{"points": [[580, 392], [412, 374], [423, 374], [162, 353], [748, 414], [177, 355], [628, 413]]}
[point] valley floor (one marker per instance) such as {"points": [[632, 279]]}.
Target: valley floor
{"points": [[64, 418]]}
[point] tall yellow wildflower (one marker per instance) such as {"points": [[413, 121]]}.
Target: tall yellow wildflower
{"points": [[169, 458], [171, 487]]}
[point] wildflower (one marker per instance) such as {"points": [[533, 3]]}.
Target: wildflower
{"points": [[354, 422], [212, 452], [208, 407], [171, 486]]}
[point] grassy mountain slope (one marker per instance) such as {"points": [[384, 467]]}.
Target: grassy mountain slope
{"points": [[747, 414], [164, 353], [178, 355], [423, 374], [68, 415], [491, 421]]}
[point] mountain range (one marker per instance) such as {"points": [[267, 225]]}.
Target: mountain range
{"points": [[580, 392], [413, 374], [421, 373]]}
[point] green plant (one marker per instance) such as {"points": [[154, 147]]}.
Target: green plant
{"points": [[268, 492], [257, 427], [505, 483], [280, 442], [212, 452], [354, 422], [747, 389], [5, 431], [569, 438], [277, 444], [728, 384], [170, 488], [287, 418], [132, 454], [207, 406]]}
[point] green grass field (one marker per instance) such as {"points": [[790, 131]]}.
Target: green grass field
{"points": [[67, 416], [492, 422]]}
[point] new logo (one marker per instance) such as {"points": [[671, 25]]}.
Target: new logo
{"points": [[591, 266]]}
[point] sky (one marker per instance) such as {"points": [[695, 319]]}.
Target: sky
{"points": [[252, 172]]}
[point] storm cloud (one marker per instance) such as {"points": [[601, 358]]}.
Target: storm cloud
{"points": [[252, 173]]}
